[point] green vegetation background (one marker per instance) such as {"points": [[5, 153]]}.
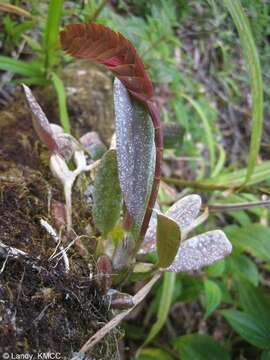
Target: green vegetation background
{"points": [[209, 61]]}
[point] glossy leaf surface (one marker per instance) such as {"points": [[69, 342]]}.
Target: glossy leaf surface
{"points": [[135, 151], [200, 251]]}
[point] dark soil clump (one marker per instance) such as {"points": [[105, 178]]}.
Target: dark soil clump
{"points": [[42, 307]]}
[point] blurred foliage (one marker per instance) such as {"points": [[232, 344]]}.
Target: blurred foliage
{"points": [[192, 50]]}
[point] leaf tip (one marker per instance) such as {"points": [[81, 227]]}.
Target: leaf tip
{"points": [[200, 251]]}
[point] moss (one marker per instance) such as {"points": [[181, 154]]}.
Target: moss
{"points": [[42, 308]]}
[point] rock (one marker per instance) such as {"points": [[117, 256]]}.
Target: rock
{"points": [[90, 99]]}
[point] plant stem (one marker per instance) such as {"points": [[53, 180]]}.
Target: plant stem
{"points": [[204, 186], [238, 206], [68, 192]]}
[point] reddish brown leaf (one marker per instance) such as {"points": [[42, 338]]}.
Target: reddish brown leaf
{"points": [[40, 122], [99, 43]]}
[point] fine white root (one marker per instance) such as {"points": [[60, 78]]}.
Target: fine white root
{"points": [[14, 253], [4, 265], [65, 250], [50, 230], [11, 251]]}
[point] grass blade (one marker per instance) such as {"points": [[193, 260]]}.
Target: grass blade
{"points": [[207, 129], [164, 305], [37, 80], [220, 162], [20, 67], [235, 179], [62, 103], [226, 181], [254, 71], [51, 37], [14, 10]]}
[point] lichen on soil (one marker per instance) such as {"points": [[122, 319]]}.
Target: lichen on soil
{"points": [[43, 308]]}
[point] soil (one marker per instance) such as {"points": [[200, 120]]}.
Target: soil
{"points": [[42, 307]]}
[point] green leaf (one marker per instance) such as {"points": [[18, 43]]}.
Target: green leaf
{"points": [[253, 238], [168, 240], [52, 32], [199, 347], [248, 327], [191, 288], [213, 296], [107, 194], [62, 103], [265, 355], [254, 302], [243, 267], [226, 296], [33, 44], [164, 305], [254, 71], [154, 354], [20, 28], [20, 67], [216, 269], [135, 152]]}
